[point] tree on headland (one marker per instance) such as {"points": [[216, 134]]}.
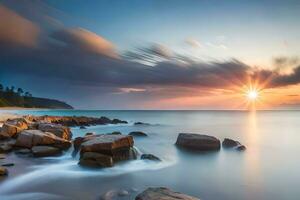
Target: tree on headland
{"points": [[20, 91], [1, 87]]}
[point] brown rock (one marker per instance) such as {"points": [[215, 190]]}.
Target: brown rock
{"points": [[57, 129], [92, 159], [3, 171], [162, 193], [12, 127], [191, 141], [43, 151], [30, 138]]}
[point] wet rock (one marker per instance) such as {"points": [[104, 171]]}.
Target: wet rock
{"points": [[162, 193], [88, 134], [43, 151], [141, 123], [191, 141], [5, 147], [57, 129], [241, 148], [82, 127], [92, 159], [8, 164], [2, 156], [12, 127], [118, 121], [150, 157], [23, 151], [229, 143], [116, 133], [30, 138], [116, 147], [3, 171], [123, 193], [138, 134]]}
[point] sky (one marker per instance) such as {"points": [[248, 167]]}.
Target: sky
{"points": [[153, 54]]}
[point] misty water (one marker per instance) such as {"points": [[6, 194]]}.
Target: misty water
{"points": [[268, 169]]}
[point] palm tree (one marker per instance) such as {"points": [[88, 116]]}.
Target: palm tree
{"points": [[20, 91]]}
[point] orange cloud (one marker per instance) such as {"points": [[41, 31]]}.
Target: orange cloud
{"points": [[86, 41], [14, 29]]}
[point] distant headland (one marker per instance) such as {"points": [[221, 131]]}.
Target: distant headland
{"points": [[16, 97]]}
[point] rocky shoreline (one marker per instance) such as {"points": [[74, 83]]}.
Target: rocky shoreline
{"points": [[41, 136]]}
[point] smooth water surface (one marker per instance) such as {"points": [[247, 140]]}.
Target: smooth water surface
{"points": [[267, 170]]}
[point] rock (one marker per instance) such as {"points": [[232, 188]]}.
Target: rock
{"points": [[117, 121], [241, 148], [3, 171], [12, 127], [138, 134], [228, 143], [42, 151], [107, 143], [57, 129], [112, 194], [2, 156], [8, 164], [191, 141], [82, 127], [141, 123], [88, 134], [23, 151], [30, 138], [162, 193], [116, 133], [5, 147], [150, 157], [123, 193], [92, 159], [110, 147]]}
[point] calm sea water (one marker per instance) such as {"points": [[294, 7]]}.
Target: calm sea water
{"points": [[267, 170]]}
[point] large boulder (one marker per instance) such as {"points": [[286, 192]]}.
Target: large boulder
{"points": [[191, 141], [30, 138], [57, 129], [12, 127], [108, 148], [162, 193], [42, 151]]}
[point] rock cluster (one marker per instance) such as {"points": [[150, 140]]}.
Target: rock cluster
{"points": [[198, 142]]}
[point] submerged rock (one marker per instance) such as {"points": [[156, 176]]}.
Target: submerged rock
{"points": [[241, 148], [112, 194], [5, 147], [162, 193], [7, 164], [150, 157], [3, 171], [23, 151], [199, 142], [138, 134], [30, 138], [82, 127], [228, 143], [141, 123], [43, 151]]}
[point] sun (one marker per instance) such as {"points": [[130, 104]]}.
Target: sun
{"points": [[252, 95]]}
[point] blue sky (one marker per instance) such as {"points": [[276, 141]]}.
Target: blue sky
{"points": [[163, 54], [253, 31]]}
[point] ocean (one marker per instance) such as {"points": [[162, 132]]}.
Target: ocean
{"points": [[267, 170]]}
